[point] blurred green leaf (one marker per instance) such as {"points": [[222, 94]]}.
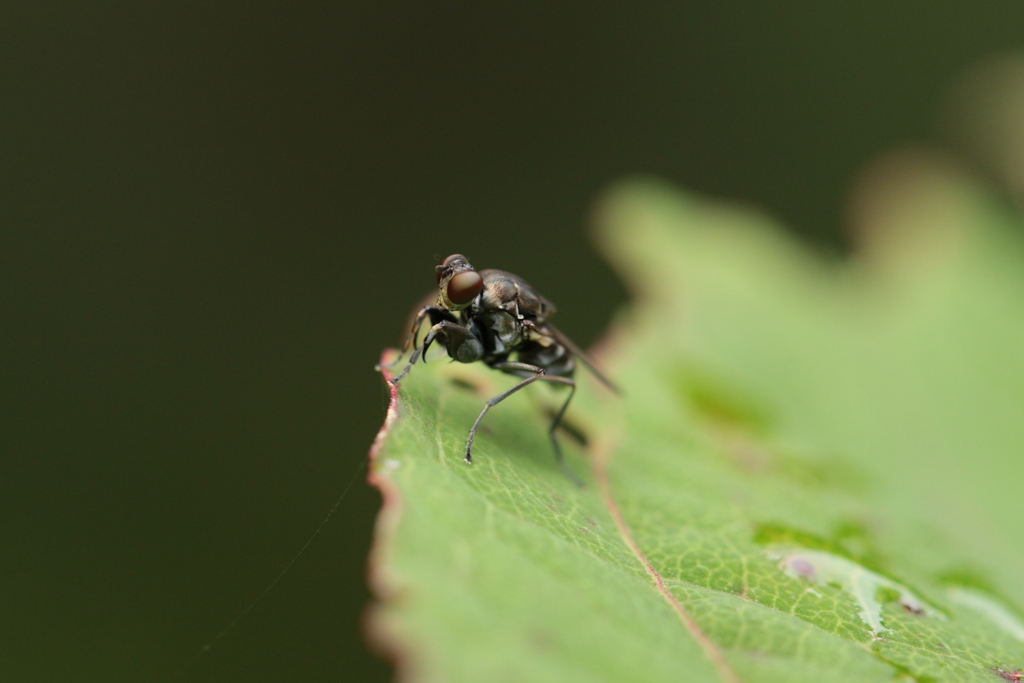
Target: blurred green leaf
{"points": [[815, 473]]}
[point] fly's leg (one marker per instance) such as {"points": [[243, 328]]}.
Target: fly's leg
{"points": [[554, 439], [538, 374], [421, 350], [459, 341], [410, 341]]}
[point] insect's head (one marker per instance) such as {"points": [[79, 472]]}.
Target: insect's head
{"points": [[457, 282]]}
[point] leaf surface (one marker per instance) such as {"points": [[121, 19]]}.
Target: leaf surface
{"points": [[814, 473]]}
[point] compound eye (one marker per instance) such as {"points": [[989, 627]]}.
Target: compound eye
{"points": [[448, 264], [464, 286]]}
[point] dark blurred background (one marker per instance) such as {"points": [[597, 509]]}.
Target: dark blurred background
{"points": [[214, 216]]}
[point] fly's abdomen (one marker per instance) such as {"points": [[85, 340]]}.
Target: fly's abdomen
{"points": [[554, 358]]}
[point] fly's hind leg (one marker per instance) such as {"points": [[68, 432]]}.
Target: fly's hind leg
{"points": [[555, 423], [537, 373]]}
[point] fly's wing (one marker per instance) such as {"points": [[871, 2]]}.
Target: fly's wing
{"points": [[559, 337]]}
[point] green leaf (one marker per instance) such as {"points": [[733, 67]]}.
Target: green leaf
{"points": [[814, 474]]}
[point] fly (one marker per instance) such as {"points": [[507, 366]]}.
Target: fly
{"points": [[494, 316]]}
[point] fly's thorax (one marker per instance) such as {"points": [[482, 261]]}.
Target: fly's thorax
{"points": [[514, 295], [499, 290]]}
